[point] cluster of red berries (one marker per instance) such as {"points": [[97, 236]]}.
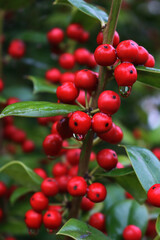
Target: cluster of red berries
{"points": [[14, 134]]}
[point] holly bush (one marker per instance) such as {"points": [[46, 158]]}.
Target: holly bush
{"points": [[79, 128]]}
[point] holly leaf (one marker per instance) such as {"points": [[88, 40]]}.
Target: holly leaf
{"points": [[79, 230], [131, 212], [18, 193], [38, 109], [87, 8], [149, 76], [41, 85]]}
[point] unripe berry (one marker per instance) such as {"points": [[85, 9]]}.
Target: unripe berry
{"points": [[127, 51], [55, 36], [125, 74], [67, 92], [109, 102], [86, 79], [39, 202], [52, 144], [77, 186], [107, 159], [80, 122], [101, 122], [67, 61], [53, 75], [132, 232], [105, 55], [97, 192]]}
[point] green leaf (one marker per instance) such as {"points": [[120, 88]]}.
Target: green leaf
{"points": [[22, 174], [127, 178], [38, 109], [13, 227], [18, 193], [158, 225], [32, 36], [79, 230], [87, 8], [149, 76], [12, 5], [125, 213], [145, 165], [41, 85]]}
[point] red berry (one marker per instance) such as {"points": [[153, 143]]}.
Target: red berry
{"points": [[67, 77], [151, 229], [81, 97], [80, 122], [98, 221], [97, 192], [73, 171], [59, 169], [101, 122], [53, 75], [153, 195], [125, 74], [8, 120], [57, 208], [39, 202], [28, 146], [113, 136], [105, 55], [62, 183], [52, 219], [92, 157], [33, 219], [99, 38], [86, 204], [74, 31], [9, 131], [10, 238], [142, 56], [52, 144], [55, 35], [67, 93], [127, 51], [67, 61], [12, 100], [17, 48], [63, 128], [73, 156], [109, 102], [86, 79], [49, 187], [1, 85], [128, 195], [1, 214], [3, 189], [119, 165], [116, 39], [107, 159], [84, 37], [132, 232], [91, 61], [150, 61], [77, 186], [156, 152], [81, 56], [19, 136], [54, 128], [40, 172]]}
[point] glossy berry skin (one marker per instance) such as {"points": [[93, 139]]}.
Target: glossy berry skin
{"points": [[39, 202], [17, 49], [86, 204], [28, 146], [67, 77], [81, 97], [67, 61], [86, 79], [127, 51], [113, 136], [53, 75], [59, 169], [52, 144], [153, 195], [142, 56], [62, 183], [1, 85], [156, 152], [125, 74], [55, 36], [54, 128], [3, 189], [98, 221], [12, 100], [101, 122], [80, 122], [33, 219], [57, 208], [132, 232], [91, 61], [105, 55], [49, 187], [150, 61], [107, 159], [81, 56], [109, 102], [40, 172], [77, 186], [74, 31], [52, 219], [116, 38], [67, 92], [73, 156], [97, 192]]}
